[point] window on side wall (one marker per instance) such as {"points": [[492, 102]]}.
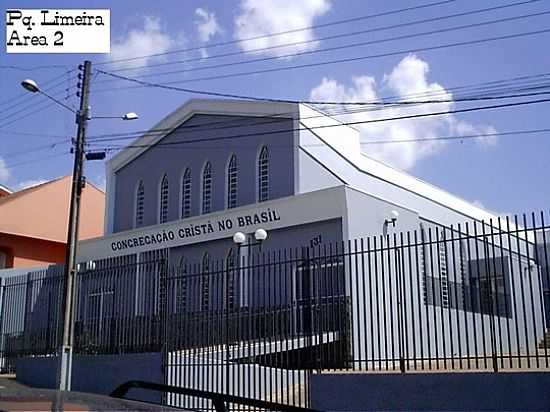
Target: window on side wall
{"points": [[263, 175], [163, 201], [186, 194], [139, 204], [206, 206], [232, 171]]}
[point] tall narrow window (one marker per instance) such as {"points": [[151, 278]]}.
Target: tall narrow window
{"points": [[163, 204], [263, 175], [140, 200], [205, 283], [186, 194], [232, 169], [207, 188]]}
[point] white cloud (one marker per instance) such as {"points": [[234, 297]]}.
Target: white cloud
{"points": [[151, 38], [478, 203], [4, 171], [207, 25], [408, 80], [262, 17], [25, 184]]}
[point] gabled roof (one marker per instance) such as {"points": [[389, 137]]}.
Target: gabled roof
{"points": [[4, 190], [226, 107], [42, 211]]}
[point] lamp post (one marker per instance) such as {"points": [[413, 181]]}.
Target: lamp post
{"points": [[78, 183], [239, 238]]}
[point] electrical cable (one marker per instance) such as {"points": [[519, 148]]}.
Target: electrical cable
{"points": [[343, 60], [478, 87], [342, 47], [338, 22], [367, 143], [351, 123], [319, 39]]}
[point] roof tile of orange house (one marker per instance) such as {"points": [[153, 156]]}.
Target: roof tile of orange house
{"points": [[33, 222], [4, 191]]}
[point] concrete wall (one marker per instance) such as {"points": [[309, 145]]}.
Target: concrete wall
{"points": [[431, 392], [96, 373], [388, 288], [173, 160]]}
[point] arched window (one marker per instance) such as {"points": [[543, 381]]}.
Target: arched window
{"points": [[140, 200], [232, 169], [186, 194], [206, 206], [230, 273], [205, 282], [263, 175], [163, 201]]}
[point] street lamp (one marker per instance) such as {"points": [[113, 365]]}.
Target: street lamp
{"points": [[82, 117], [30, 85], [260, 235]]}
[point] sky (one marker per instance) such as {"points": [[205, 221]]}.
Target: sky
{"points": [[505, 174]]}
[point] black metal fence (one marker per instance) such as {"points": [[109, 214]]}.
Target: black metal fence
{"points": [[472, 296]]}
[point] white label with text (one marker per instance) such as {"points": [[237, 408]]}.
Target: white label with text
{"points": [[58, 31]]}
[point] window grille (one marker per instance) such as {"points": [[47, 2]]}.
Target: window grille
{"points": [[232, 169], [163, 209], [207, 188], [263, 175], [186, 194], [140, 200]]}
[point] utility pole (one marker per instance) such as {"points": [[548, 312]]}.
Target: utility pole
{"points": [[65, 351]]}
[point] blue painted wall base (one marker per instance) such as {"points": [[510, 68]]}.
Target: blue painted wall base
{"points": [[95, 373], [473, 391]]}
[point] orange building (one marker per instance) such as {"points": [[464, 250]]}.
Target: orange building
{"points": [[4, 191], [33, 222]]}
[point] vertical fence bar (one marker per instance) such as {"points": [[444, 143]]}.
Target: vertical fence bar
{"points": [[538, 283], [392, 293], [513, 289], [440, 237], [505, 286], [522, 289], [364, 303], [531, 292], [546, 321]]}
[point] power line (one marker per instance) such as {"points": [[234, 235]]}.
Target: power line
{"points": [[30, 69], [345, 46], [352, 123], [245, 97], [372, 142], [332, 37], [13, 99], [50, 146], [19, 133], [348, 59], [480, 87], [32, 105], [24, 105], [37, 160], [334, 23], [46, 105]]}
